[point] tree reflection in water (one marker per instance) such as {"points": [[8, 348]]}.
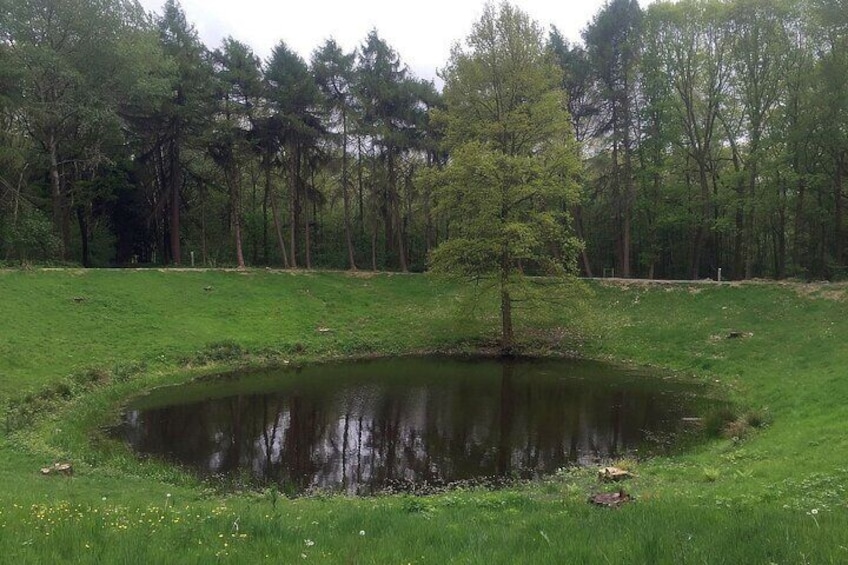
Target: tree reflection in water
{"points": [[367, 426]]}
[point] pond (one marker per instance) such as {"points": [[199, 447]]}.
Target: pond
{"points": [[411, 424]]}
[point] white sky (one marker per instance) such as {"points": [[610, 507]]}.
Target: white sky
{"points": [[421, 33]]}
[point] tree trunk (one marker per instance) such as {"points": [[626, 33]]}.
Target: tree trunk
{"points": [[307, 227], [374, 247], [237, 222], [311, 222], [83, 228], [739, 235], [780, 259], [175, 180], [204, 244], [797, 243], [387, 216], [404, 267], [266, 247], [254, 241], [294, 205], [629, 198], [17, 201], [360, 186], [839, 235], [739, 232], [307, 242], [701, 229], [697, 245], [626, 245], [278, 228], [429, 232], [239, 250], [750, 236], [57, 197], [275, 211], [506, 299], [616, 198], [820, 268], [507, 338], [351, 261]]}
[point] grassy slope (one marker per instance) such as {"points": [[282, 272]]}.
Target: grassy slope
{"points": [[142, 315], [747, 501], [793, 362]]}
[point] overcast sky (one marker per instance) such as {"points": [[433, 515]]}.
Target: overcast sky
{"points": [[421, 32]]}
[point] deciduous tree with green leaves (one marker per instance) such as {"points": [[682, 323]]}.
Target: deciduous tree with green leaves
{"points": [[511, 176]]}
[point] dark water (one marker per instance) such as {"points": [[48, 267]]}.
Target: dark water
{"points": [[403, 424]]}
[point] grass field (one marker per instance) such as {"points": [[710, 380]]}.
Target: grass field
{"points": [[74, 343]]}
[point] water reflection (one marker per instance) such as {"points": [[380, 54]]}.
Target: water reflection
{"points": [[367, 426]]}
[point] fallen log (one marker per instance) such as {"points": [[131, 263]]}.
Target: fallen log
{"points": [[65, 469], [612, 474]]}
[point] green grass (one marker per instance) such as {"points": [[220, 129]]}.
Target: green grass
{"points": [[774, 494]]}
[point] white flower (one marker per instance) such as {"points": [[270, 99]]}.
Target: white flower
{"points": [[309, 542], [361, 532], [814, 511]]}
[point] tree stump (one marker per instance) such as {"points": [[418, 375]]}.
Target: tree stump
{"points": [[610, 499]]}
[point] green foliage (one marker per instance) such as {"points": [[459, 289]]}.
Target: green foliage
{"points": [[712, 133], [503, 204], [292, 89], [72, 78], [511, 177], [29, 238]]}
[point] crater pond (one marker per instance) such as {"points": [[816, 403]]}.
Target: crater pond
{"points": [[412, 424]]}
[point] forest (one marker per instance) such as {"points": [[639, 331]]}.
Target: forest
{"points": [[712, 137]]}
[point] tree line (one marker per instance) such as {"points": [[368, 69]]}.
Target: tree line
{"points": [[712, 134], [715, 137]]}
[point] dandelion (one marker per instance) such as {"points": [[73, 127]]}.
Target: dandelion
{"points": [[813, 513], [361, 532], [309, 542]]}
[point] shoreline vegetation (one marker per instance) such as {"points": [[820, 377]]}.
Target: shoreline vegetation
{"points": [[74, 344]]}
